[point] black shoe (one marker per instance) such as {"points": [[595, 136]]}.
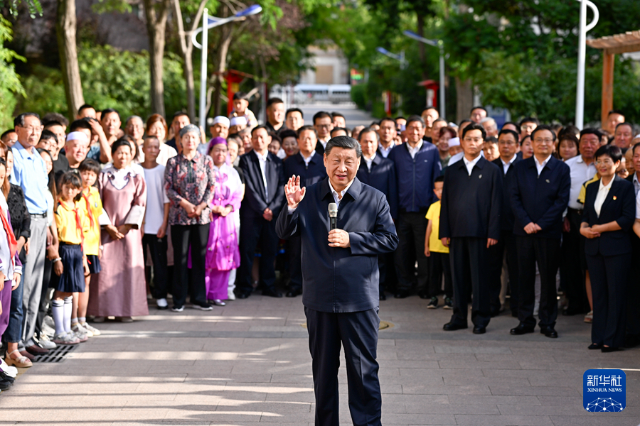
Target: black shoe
{"points": [[5, 385], [203, 306], [424, 295], [479, 330], [608, 349], [402, 294], [594, 346], [450, 326], [514, 314], [294, 293], [240, 294], [448, 304], [631, 341], [521, 329], [549, 332], [4, 377], [433, 304], [383, 296], [271, 292]]}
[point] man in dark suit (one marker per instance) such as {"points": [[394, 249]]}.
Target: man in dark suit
{"points": [[539, 196], [380, 172], [309, 166], [340, 274], [469, 226], [264, 197], [323, 123], [632, 338], [508, 147]]}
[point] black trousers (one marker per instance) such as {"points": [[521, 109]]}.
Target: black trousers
{"points": [[506, 246], [609, 282], [158, 250], [633, 291], [439, 265], [469, 266], [183, 237], [387, 270], [574, 265], [358, 333], [546, 252], [257, 232], [411, 229], [294, 248]]}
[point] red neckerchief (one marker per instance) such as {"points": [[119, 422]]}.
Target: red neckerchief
{"points": [[86, 199], [11, 238], [78, 220]]}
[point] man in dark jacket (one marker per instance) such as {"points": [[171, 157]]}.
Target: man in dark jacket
{"points": [[417, 164], [379, 172], [539, 196], [309, 166], [263, 200], [340, 273], [632, 338], [506, 247], [469, 226]]}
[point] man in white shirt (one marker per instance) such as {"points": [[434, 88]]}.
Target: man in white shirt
{"points": [[388, 132], [582, 169], [323, 124]]}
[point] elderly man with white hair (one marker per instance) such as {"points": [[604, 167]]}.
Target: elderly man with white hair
{"points": [[490, 126], [219, 128]]}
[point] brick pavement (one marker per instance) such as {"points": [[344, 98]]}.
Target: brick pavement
{"points": [[248, 364]]}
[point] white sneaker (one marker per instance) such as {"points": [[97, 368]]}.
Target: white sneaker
{"points": [[10, 370], [48, 331], [231, 295], [46, 343], [79, 329], [91, 329], [65, 339], [162, 303], [177, 309], [48, 321]]}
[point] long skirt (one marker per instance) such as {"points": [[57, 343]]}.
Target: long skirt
{"points": [[5, 301], [217, 283]]}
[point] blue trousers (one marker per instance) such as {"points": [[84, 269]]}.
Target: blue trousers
{"points": [[13, 333]]}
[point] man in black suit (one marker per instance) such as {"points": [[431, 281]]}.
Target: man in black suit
{"points": [[380, 172], [469, 226], [264, 197], [340, 274], [508, 147], [632, 338], [323, 123], [539, 196], [309, 166]]}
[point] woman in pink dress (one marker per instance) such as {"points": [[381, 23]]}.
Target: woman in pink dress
{"points": [[222, 248], [119, 290]]}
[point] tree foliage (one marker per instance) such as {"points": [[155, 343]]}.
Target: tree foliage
{"points": [[10, 84]]}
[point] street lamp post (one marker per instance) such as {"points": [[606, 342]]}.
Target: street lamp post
{"points": [[439, 44], [582, 52], [209, 22]]}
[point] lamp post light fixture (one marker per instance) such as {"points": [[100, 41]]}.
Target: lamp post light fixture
{"points": [[439, 44], [582, 52]]}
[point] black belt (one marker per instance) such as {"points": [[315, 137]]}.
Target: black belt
{"points": [[575, 211], [39, 216]]}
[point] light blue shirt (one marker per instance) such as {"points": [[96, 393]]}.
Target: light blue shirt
{"points": [[30, 173]]}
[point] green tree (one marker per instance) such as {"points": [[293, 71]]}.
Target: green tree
{"points": [[10, 84]]}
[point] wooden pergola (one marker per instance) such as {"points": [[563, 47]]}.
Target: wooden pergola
{"points": [[612, 45]]}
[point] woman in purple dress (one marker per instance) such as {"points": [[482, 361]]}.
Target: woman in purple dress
{"points": [[223, 254], [119, 290]]}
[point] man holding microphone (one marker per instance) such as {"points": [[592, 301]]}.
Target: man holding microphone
{"points": [[340, 278]]}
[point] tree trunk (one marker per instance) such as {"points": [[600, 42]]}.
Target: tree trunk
{"points": [[156, 16], [420, 31], [66, 33], [464, 99], [223, 49]]}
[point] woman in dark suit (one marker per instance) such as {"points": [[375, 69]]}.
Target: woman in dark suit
{"points": [[609, 214]]}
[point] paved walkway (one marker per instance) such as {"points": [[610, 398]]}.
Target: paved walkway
{"points": [[248, 363]]}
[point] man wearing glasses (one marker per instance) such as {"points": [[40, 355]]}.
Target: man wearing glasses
{"points": [[323, 124], [539, 195], [30, 174]]}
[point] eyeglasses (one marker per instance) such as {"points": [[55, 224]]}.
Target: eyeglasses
{"points": [[324, 126]]}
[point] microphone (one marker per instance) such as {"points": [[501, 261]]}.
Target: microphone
{"points": [[333, 216]]}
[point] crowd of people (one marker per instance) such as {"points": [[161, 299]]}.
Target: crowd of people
{"points": [[101, 216]]}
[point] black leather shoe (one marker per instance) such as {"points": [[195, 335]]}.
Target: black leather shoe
{"points": [[4, 377], [479, 330], [594, 346], [607, 349], [242, 294], [383, 296], [450, 326], [271, 292], [424, 295], [402, 294], [521, 329], [549, 332], [294, 293]]}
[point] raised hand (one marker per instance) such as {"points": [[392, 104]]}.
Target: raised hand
{"points": [[293, 192]]}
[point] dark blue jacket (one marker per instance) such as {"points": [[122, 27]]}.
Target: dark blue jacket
{"points": [[619, 206], [415, 176], [471, 205], [507, 218], [540, 199], [341, 279], [310, 174], [383, 178], [255, 201]]}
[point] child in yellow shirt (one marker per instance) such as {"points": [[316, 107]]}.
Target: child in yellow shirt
{"points": [[71, 266], [437, 253], [92, 207]]}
